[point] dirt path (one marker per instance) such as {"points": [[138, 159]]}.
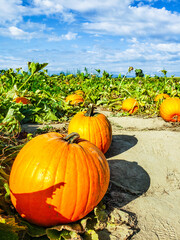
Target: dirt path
{"points": [[146, 164], [144, 160]]}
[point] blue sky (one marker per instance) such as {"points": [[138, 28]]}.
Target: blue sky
{"points": [[110, 35]]}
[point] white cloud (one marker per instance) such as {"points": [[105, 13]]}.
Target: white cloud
{"points": [[167, 47], [47, 7], [16, 32], [136, 21], [78, 5], [11, 11], [69, 36], [114, 17], [11, 62], [29, 25]]}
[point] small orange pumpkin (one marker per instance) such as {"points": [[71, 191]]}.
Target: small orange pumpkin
{"points": [[74, 99], [58, 179], [80, 92], [170, 110], [94, 127], [130, 105], [22, 100], [161, 96]]}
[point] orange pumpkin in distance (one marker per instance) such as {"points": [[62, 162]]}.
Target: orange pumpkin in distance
{"points": [[130, 105], [58, 179], [80, 92], [22, 100], [94, 127], [170, 110], [161, 96], [74, 99]]}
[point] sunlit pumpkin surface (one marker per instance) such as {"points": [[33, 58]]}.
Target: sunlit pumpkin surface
{"points": [[170, 110], [96, 129], [74, 99], [130, 105], [22, 100], [161, 96], [53, 181]]}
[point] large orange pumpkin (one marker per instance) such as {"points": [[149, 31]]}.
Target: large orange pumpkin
{"points": [[161, 96], [74, 99], [22, 100], [58, 179], [130, 105], [170, 110], [94, 127]]}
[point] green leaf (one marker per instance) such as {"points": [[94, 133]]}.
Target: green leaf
{"points": [[9, 228], [34, 230], [65, 231], [56, 235], [4, 175], [50, 116], [7, 234], [91, 235], [53, 234], [13, 112], [12, 93], [5, 206], [36, 67]]}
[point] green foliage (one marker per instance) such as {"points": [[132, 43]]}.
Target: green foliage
{"points": [[164, 72], [47, 94], [139, 73]]}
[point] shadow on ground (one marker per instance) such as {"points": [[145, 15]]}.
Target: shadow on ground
{"points": [[128, 181], [120, 144]]}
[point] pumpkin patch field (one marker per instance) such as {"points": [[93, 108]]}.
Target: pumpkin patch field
{"points": [[89, 156]]}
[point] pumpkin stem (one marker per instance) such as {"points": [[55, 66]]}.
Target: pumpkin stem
{"points": [[72, 137], [90, 111]]}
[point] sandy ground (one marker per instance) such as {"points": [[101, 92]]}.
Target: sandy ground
{"points": [[144, 160]]}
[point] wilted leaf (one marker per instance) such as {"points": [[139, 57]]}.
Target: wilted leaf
{"points": [[118, 216], [84, 222], [74, 227], [101, 215], [100, 212], [75, 236], [120, 232]]}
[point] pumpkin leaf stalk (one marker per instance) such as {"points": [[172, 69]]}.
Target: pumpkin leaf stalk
{"points": [[90, 111], [72, 137]]}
